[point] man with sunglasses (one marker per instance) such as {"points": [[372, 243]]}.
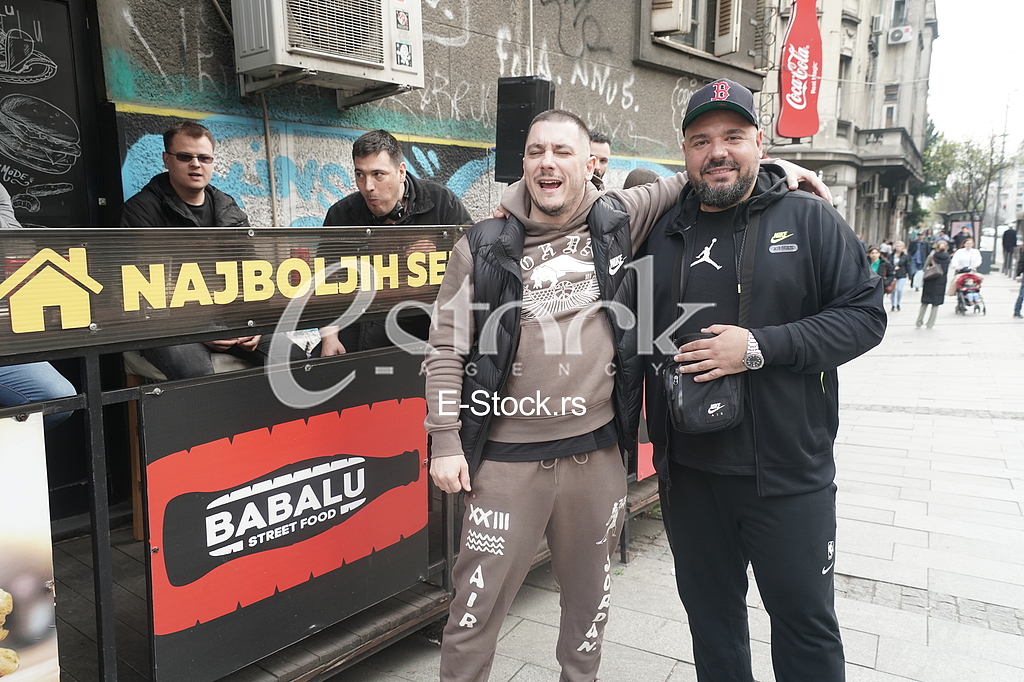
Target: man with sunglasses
{"points": [[184, 197]]}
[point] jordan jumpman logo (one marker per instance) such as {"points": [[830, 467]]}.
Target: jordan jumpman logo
{"points": [[705, 256]]}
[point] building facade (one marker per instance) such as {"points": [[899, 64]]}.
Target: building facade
{"points": [[873, 108], [115, 73]]}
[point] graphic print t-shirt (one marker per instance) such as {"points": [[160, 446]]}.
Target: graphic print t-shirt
{"points": [[712, 278], [565, 347]]}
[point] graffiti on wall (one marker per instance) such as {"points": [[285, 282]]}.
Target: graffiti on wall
{"points": [[451, 12], [312, 168]]}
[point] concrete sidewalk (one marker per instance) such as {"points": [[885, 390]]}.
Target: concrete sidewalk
{"points": [[930, 550]]}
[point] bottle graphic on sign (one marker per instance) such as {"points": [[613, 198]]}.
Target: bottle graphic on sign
{"points": [[800, 73], [203, 530]]}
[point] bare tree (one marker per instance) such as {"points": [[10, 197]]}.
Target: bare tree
{"points": [[974, 167]]}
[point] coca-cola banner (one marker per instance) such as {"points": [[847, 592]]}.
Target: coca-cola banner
{"points": [[800, 73], [267, 523]]}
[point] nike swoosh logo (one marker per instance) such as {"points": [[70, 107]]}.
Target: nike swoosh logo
{"points": [[776, 238], [828, 568]]}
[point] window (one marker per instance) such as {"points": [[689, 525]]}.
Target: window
{"points": [[715, 44], [714, 27], [845, 63], [889, 114], [695, 37], [899, 13]]}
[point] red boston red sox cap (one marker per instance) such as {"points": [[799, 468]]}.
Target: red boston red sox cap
{"points": [[722, 94]]}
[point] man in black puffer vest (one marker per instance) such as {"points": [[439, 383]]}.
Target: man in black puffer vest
{"points": [[531, 409]]}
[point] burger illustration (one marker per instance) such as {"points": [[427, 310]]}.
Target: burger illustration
{"points": [[37, 134]]}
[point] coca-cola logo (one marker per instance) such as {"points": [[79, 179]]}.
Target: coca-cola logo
{"points": [[801, 71]]}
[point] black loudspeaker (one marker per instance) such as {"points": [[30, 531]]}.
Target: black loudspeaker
{"points": [[519, 100]]}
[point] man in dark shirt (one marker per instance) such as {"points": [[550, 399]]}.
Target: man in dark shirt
{"points": [[184, 197], [388, 195], [965, 233], [1009, 248], [778, 286], [600, 149]]}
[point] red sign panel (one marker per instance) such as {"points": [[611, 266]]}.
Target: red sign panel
{"points": [[268, 523], [260, 520], [800, 73]]}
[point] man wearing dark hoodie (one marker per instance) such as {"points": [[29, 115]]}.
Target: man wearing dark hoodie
{"points": [[184, 197], [533, 394], [760, 493]]}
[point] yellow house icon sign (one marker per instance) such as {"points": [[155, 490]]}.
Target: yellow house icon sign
{"points": [[50, 280]]}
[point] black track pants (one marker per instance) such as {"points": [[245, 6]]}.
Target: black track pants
{"points": [[717, 525]]}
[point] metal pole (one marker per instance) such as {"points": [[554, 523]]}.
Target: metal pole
{"points": [[529, 66], [99, 512]]}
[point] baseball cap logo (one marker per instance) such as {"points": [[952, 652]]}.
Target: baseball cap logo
{"points": [[721, 91]]}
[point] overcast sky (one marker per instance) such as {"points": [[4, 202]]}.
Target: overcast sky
{"points": [[977, 67]]}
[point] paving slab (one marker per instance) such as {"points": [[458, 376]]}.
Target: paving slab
{"points": [[930, 572]]}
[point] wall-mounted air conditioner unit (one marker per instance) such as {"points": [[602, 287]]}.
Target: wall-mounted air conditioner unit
{"points": [[900, 34], [869, 187], [882, 198], [366, 49]]}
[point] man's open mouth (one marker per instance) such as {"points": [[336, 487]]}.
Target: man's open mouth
{"points": [[549, 184]]}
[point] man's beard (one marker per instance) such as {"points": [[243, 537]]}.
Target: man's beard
{"points": [[724, 196]]}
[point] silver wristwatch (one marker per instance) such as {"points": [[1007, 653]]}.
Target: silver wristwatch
{"points": [[753, 359]]}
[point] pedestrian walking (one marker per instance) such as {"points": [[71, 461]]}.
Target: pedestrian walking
{"points": [[1009, 247], [1020, 296], [882, 267], [900, 270], [933, 292]]}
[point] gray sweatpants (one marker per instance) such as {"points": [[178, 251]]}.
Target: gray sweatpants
{"points": [[578, 502]]}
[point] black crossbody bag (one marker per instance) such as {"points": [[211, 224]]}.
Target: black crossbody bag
{"points": [[717, 405]]}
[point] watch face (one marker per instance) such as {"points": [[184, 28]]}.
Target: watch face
{"points": [[753, 361]]}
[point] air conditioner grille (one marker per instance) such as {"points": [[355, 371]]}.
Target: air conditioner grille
{"points": [[345, 28]]}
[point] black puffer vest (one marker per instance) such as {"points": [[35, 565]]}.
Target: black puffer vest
{"points": [[497, 247]]}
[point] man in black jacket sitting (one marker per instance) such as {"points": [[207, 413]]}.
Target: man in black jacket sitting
{"points": [[387, 195], [184, 197]]}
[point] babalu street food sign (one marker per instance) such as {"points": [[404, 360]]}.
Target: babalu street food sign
{"points": [[266, 524]]}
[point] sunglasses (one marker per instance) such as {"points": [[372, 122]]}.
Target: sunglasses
{"points": [[204, 159]]}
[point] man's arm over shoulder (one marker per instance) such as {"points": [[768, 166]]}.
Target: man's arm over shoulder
{"points": [[852, 319], [646, 203]]}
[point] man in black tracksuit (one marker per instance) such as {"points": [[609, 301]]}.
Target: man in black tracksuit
{"points": [[762, 492]]}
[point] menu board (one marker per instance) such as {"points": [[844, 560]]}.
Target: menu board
{"points": [[40, 126]]}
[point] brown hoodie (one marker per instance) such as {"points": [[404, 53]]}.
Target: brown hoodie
{"points": [[566, 344]]}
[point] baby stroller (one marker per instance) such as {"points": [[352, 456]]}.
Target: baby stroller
{"points": [[968, 293]]}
